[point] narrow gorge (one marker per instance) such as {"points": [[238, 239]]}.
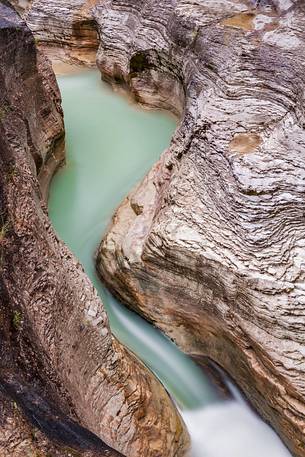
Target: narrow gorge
{"points": [[48, 340], [207, 247]]}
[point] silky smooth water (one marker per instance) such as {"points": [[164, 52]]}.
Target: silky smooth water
{"points": [[110, 146]]}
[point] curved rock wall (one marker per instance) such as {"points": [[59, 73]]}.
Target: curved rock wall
{"points": [[65, 30], [57, 329], [210, 246]]}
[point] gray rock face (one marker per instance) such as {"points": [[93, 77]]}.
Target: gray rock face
{"points": [[54, 330], [210, 246]]}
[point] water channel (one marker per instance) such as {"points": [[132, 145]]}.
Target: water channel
{"points": [[111, 144]]}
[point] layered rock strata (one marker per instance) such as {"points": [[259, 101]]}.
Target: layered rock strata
{"points": [[22, 6], [54, 331], [65, 30], [210, 246]]}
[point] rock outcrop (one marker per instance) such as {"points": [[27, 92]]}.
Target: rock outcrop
{"points": [[54, 334], [65, 30], [210, 246]]}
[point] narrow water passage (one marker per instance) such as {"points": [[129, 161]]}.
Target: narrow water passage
{"points": [[110, 147]]}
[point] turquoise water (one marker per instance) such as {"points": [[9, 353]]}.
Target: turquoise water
{"points": [[110, 147]]}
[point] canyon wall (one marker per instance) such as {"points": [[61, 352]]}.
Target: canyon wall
{"points": [[210, 246], [55, 340], [65, 30]]}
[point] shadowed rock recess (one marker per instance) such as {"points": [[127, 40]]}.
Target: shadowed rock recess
{"points": [[55, 341]]}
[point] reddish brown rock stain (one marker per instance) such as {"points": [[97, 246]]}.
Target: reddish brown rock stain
{"points": [[245, 142], [242, 21]]}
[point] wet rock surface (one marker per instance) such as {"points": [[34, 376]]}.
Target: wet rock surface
{"points": [[49, 338], [50, 420]]}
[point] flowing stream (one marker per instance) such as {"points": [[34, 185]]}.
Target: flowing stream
{"points": [[110, 146]]}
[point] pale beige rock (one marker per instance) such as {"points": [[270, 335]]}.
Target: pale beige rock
{"points": [[214, 254], [65, 29]]}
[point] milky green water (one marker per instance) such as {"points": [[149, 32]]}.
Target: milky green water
{"points": [[110, 146]]}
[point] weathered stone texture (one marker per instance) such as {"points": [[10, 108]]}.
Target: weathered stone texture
{"points": [[210, 246], [65, 30], [44, 290]]}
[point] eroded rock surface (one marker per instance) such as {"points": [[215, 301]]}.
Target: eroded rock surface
{"points": [[65, 30], [54, 333], [210, 246]]}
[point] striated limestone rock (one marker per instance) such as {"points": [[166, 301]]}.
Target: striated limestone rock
{"points": [[54, 333], [210, 246], [65, 30]]}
